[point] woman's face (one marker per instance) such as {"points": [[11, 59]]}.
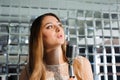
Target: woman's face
{"points": [[52, 31]]}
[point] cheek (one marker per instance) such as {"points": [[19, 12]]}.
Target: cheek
{"points": [[47, 36], [47, 40]]}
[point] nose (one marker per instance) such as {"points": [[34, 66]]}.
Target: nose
{"points": [[57, 28]]}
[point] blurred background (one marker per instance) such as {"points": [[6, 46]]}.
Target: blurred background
{"points": [[93, 24]]}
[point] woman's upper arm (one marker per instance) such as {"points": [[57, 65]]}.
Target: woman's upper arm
{"points": [[86, 69]]}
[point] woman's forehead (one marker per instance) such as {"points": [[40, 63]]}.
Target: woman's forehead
{"points": [[49, 19]]}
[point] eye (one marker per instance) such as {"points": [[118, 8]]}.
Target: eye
{"points": [[60, 24], [49, 26]]}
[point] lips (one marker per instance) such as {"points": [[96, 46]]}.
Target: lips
{"points": [[59, 36]]}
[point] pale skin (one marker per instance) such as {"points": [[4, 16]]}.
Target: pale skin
{"points": [[53, 37]]}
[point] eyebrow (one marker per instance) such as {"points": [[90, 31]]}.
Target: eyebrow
{"points": [[51, 23], [47, 23]]}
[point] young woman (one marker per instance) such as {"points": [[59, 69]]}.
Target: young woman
{"points": [[47, 50]]}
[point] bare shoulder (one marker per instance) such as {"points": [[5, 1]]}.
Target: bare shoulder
{"points": [[82, 60], [86, 68]]}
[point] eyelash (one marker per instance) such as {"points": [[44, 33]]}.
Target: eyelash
{"points": [[60, 24], [48, 27]]}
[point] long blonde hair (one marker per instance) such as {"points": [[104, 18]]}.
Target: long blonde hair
{"points": [[36, 51]]}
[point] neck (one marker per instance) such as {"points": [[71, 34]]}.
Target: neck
{"points": [[54, 56]]}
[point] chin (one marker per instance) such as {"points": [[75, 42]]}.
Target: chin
{"points": [[61, 42]]}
